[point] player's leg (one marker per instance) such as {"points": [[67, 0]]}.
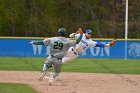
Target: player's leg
{"points": [[48, 63], [70, 55], [57, 70]]}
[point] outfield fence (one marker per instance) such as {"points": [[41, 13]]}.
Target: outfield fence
{"points": [[20, 47]]}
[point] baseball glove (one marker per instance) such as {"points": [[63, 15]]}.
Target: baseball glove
{"points": [[113, 42]]}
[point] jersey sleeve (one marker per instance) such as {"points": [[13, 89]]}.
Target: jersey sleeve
{"points": [[93, 44], [47, 41], [72, 42], [100, 45], [72, 35], [77, 36]]}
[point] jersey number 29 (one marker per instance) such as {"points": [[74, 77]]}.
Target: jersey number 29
{"points": [[58, 45]]}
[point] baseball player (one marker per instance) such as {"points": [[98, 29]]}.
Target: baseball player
{"points": [[84, 44], [59, 46]]}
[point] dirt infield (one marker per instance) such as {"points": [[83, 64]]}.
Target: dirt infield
{"points": [[76, 82]]}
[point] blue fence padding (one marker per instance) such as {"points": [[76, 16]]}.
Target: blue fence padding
{"points": [[22, 48]]}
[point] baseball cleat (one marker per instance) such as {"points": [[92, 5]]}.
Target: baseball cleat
{"points": [[50, 80], [42, 75]]}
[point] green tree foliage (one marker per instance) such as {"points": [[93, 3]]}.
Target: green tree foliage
{"points": [[43, 17]]}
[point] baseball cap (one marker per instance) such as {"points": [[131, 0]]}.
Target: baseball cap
{"points": [[88, 31]]}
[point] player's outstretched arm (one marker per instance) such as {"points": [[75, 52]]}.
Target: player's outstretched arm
{"points": [[37, 42], [79, 31], [112, 43]]}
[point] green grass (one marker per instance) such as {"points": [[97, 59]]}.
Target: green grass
{"points": [[16, 88], [21, 63], [115, 66]]}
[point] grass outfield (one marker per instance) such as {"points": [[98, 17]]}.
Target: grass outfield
{"points": [[16, 88], [114, 66]]}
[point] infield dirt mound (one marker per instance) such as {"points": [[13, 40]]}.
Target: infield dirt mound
{"points": [[76, 82]]}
